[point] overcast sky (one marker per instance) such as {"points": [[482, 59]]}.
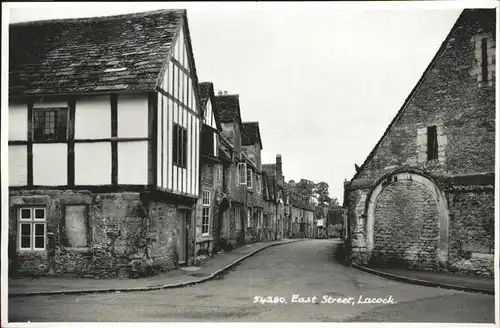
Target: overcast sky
{"points": [[324, 81]]}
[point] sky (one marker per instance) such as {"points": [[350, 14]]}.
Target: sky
{"points": [[323, 81]]}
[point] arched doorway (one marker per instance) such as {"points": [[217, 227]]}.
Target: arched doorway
{"points": [[407, 223]]}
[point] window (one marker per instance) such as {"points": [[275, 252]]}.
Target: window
{"points": [[242, 174], [432, 144], [205, 217], [237, 217], [50, 124], [208, 140], [76, 226], [484, 60], [32, 223], [216, 145], [249, 179], [179, 148], [258, 215], [249, 217], [258, 183]]}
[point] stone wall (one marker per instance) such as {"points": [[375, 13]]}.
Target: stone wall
{"points": [[129, 235], [452, 97], [472, 232], [449, 97], [406, 229]]}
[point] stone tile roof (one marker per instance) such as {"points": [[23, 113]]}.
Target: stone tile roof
{"points": [[206, 88], [228, 108], [298, 203], [112, 53], [250, 134], [206, 91]]}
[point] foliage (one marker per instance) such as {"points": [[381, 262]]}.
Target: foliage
{"points": [[315, 192]]}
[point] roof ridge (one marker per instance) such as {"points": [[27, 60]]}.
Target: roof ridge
{"points": [[410, 96], [231, 95], [97, 18]]}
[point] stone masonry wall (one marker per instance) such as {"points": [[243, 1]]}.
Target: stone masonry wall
{"points": [[452, 97], [406, 227], [449, 97], [123, 239], [472, 239]]}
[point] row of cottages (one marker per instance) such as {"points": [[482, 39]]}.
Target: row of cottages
{"points": [[113, 157], [301, 218], [238, 200], [424, 197]]}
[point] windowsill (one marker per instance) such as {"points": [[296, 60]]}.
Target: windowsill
{"points": [[205, 235], [180, 166], [78, 249], [26, 251]]}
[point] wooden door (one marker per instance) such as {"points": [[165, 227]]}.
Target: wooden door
{"points": [[183, 240]]}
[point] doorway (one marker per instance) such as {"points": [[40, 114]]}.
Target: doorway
{"points": [[183, 236]]}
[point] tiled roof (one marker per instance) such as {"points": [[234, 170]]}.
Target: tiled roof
{"points": [[248, 160], [206, 88], [298, 203], [112, 53], [228, 108], [206, 91], [250, 134]]}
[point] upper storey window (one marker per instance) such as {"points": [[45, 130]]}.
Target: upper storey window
{"points": [[50, 124], [484, 51]]}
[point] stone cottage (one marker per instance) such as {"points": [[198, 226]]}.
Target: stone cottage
{"points": [[424, 197], [103, 145], [235, 171], [274, 198], [211, 171], [252, 146]]}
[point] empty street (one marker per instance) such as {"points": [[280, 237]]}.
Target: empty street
{"points": [[294, 282]]}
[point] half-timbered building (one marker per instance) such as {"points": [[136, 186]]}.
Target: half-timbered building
{"points": [[104, 133]]}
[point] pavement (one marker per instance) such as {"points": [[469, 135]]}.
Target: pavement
{"points": [[293, 282], [474, 284], [222, 262], [176, 278]]}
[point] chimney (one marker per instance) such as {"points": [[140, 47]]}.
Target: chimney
{"points": [[225, 93], [219, 93], [279, 168]]}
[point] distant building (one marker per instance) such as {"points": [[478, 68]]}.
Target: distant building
{"points": [[274, 208], [424, 197]]}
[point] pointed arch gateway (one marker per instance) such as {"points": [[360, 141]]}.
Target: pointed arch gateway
{"points": [[407, 219]]}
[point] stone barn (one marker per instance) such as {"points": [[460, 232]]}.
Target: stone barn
{"points": [[424, 197]]}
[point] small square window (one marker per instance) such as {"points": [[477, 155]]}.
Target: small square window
{"points": [[26, 214], [39, 214]]}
